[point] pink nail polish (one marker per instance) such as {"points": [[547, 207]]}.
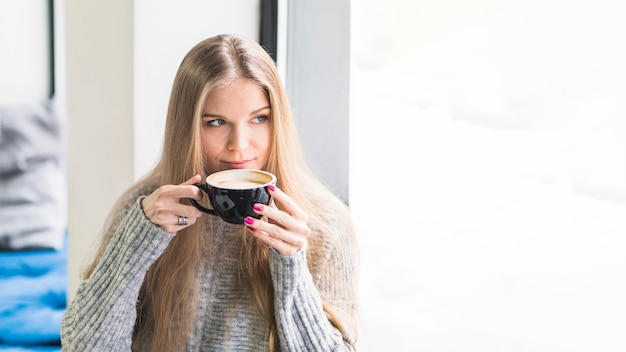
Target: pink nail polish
{"points": [[248, 221], [271, 187], [251, 229], [258, 207]]}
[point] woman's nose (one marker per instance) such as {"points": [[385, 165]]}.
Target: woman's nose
{"points": [[239, 139]]}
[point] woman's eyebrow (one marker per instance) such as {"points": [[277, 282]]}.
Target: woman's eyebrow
{"points": [[212, 115], [260, 109], [267, 107]]}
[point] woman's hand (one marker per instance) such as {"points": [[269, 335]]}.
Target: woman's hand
{"points": [[163, 207], [287, 230]]}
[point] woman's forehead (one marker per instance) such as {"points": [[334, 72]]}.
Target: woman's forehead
{"points": [[240, 94]]}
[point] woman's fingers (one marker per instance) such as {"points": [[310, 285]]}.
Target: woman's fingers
{"points": [[281, 223], [279, 244], [286, 230], [188, 190], [287, 204], [163, 207]]}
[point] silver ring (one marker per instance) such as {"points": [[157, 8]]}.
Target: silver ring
{"points": [[182, 220]]}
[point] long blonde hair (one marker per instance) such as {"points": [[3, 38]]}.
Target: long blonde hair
{"points": [[169, 291]]}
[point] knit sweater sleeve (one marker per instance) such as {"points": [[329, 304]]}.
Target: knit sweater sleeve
{"points": [[302, 322], [102, 315]]}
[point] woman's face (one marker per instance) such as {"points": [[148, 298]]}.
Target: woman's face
{"points": [[236, 127]]}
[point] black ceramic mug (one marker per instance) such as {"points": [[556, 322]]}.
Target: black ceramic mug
{"points": [[233, 193]]}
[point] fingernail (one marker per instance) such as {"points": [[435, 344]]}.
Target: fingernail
{"points": [[248, 221], [258, 207], [272, 188], [251, 229]]}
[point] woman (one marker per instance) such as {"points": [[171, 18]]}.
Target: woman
{"points": [[160, 282]]}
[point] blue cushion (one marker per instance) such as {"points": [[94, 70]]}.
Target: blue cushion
{"points": [[33, 292]]}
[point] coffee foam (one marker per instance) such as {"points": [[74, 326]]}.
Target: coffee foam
{"points": [[238, 184], [240, 179]]}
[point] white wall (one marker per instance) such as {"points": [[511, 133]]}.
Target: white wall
{"points": [[99, 101], [25, 47], [498, 133]]}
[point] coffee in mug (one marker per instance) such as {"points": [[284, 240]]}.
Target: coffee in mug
{"points": [[233, 193]]}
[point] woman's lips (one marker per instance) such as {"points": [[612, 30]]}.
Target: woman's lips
{"points": [[237, 164]]}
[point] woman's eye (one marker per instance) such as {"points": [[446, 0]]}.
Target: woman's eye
{"points": [[260, 119], [216, 122]]}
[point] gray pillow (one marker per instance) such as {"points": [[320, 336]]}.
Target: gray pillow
{"points": [[32, 180]]}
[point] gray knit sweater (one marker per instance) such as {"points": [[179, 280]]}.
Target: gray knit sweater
{"points": [[102, 315]]}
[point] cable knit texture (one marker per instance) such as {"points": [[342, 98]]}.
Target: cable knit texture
{"points": [[102, 315]]}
